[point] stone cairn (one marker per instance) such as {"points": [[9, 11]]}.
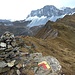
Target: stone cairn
{"points": [[14, 62], [9, 52]]}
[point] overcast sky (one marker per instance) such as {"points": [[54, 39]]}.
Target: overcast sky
{"points": [[19, 9]]}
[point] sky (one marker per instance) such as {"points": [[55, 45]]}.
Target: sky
{"points": [[19, 9]]}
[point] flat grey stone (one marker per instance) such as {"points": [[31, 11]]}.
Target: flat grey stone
{"points": [[2, 64]]}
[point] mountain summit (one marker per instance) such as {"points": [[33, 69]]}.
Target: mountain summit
{"points": [[48, 12]]}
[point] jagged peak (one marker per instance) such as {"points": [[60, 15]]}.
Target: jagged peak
{"points": [[51, 6]]}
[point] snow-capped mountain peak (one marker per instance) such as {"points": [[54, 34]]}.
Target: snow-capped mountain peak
{"points": [[48, 12]]}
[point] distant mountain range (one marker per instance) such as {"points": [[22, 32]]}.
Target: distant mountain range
{"points": [[16, 27], [37, 19], [48, 12], [41, 16], [5, 22]]}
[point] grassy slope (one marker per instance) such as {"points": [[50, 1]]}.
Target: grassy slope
{"points": [[60, 50], [62, 47]]}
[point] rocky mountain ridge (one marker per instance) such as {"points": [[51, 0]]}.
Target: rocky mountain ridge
{"points": [[17, 27], [6, 22], [58, 39], [48, 12]]}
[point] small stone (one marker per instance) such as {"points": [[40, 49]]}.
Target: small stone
{"points": [[11, 64], [18, 72], [19, 66], [2, 44], [2, 64]]}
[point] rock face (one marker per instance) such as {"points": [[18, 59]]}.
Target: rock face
{"points": [[48, 12], [15, 62], [48, 65]]}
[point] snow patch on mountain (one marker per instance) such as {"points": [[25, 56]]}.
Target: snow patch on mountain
{"points": [[35, 17], [37, 20], [48, 12], [54, 18]]}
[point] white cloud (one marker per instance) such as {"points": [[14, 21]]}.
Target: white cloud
{"points": [[19, 9]]}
